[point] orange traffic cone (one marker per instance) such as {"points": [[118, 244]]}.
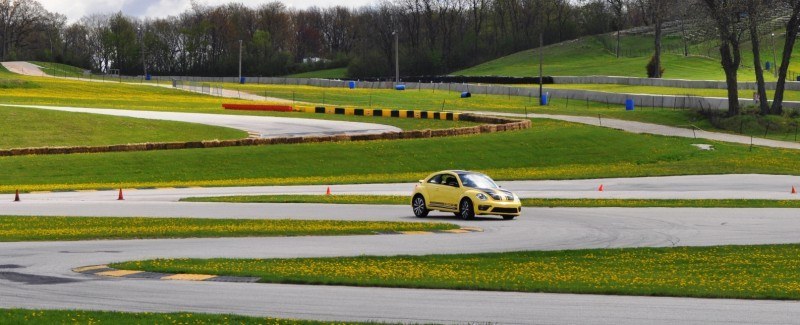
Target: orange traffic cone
{"points": [[600, 189], [794, 191], [120, 198], [16, 197], [328, 192]]}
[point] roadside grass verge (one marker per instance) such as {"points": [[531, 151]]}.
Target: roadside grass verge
{"points": [[789, 95], [548, 150], [33, 316], [89, 228], [443, 100], [531, 203], [741, 272], [27, 127]]}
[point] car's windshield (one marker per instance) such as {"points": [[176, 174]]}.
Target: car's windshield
{"points": [[477, 181]]}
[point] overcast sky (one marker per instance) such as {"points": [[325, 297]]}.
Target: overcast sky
{"points": [[76, 9]]}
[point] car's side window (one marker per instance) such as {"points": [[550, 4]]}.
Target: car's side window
{"points": [[449, 180], [436, 179]]}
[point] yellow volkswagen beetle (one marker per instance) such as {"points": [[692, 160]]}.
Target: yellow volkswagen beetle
{"points": [[464, 193]]}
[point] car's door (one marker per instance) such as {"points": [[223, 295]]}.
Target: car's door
{"points": [[434, 186], [450, 192]]}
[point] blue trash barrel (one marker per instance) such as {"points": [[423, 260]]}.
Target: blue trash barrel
{"points": [[767, 65], [351, 84], [148, 77], [242, 80], [400, 87], [466, 94], [629, 104], [543, 100]]}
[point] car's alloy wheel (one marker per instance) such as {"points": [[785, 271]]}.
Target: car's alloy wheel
{"points": [[418, 204], [466, 210]]}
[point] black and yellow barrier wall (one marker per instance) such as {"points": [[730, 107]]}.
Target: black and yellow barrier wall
{"points": [[399, 113]]}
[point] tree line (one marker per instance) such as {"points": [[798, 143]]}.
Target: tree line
{"points": [[435, 36]]}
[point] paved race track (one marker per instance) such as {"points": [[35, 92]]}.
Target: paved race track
{"points": [[263, 126], [38, 275]]}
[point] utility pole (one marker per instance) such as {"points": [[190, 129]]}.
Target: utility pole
{"points": [[141, 43], [541, 63], [396, 57], [774, 58], [240, 61]]}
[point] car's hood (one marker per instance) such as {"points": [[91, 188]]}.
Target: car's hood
{"points": [[496, 191]]}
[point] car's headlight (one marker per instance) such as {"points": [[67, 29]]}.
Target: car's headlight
{"points": [[497, 197], [481, 196]]}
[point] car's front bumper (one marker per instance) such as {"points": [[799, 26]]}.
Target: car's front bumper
{"points": [[507, 208]]}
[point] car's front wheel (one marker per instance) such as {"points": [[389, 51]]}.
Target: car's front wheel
{"points": [[418, 204], [466, 210]]}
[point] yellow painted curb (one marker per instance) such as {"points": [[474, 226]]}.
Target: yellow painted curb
{"points": [[189, 277], [416, 232], [472, 229], [89, 268], [456, 231], [118, 273]]}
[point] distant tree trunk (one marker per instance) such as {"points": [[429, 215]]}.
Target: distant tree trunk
{"points": [[754, 38], [788, 46], [726, 15], [657, 55], [731, 58]]}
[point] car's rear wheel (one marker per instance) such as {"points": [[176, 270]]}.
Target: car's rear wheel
{"points": [[466, 210], [418, 204], [508, 217]]}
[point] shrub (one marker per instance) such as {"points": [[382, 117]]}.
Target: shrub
{"points": [[651, 68]]}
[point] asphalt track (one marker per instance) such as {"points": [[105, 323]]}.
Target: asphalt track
{"points": [[261, 126], [38, 274]]}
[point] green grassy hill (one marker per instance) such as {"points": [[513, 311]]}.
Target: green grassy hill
{"points": [[594, 55]]}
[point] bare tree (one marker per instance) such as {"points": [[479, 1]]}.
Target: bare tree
{"points": [[726, 15], [618, 8], [756, 10], [791, 37]]}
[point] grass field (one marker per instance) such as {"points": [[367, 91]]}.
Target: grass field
{"points": [[549, 150], [27, 127], [59, 70], [580, 203], [91, 228], [742, 272], [328, 73], [47, 317]]}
